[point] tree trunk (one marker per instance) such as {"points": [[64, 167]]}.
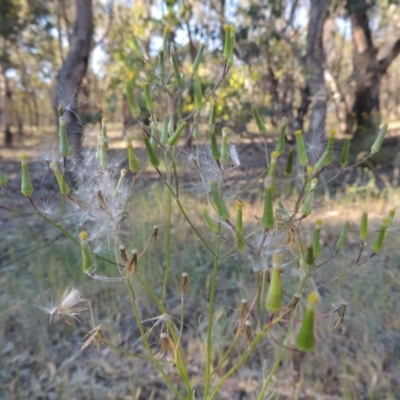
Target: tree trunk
{"points": [[369, 65], [74, 69], [6, 107], [314, 94]]}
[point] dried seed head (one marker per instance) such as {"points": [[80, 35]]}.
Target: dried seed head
{"points": [[96, 336], [336, 318], [122, 253], [184, 285], [248, 329]]}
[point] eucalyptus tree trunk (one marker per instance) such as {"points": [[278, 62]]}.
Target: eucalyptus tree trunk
{"points": [[74, 69], [314, 94], [369, 65]]}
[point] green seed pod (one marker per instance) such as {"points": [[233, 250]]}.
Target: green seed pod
{"points": [[377, 247], [343, 235], [280, 145], [104, 137], [289, 162], [379, 140], [120, 183], [309, 199], [198, 94], [211, 224], [198, 58], [305, 339], [364, 226], [175, 64], [310, 256], [164, 130], [137, 46], [175, 136], [154, 136], [215, 153], [160, 67], [88, 264], [239, 226], [219, 202], [154, 160], [224, 147], [268, 220], [164, 46], [62, 185], [65, 147], [272, 168], [315, 240], [273, 301], [3, 179], [321, 161], [213, 115], [230, 58], [147, 97], [133, 105], [228, 45], [301, 148], [329, 147], [345, 153], [103, 153], [133, 163], [26, 184], [260, 124], [196, 130]]}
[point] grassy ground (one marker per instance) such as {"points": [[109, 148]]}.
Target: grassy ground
{"points": [[44, 361]]}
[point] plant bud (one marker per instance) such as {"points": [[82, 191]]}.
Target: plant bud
{"points": [[228, 45], [154, 160], [198, 58], [364, 226], [310, 256], [379, 140], [260, 124], [343, 235], [272, 168], [329, 147], [280, 145], [62, 185], [133, 163], [215, 153], [268, 220], [273, 302], [309, 199], [213, 115], [176, 135], [147, 97], [164, 130], [224, 147], [301, 148], [65, 147], [239, 226], [315, 240], [219, 202], [175, 64], [289, 162], [198, 94], [120, 182], [305, 339], [377, 247], [211, 224], [133, 105], [345, 153], [26, 184], [88, 265]]}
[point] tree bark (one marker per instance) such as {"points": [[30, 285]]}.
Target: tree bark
{"points": [[74, 69], [314, 94], [369, 65], [6, 107]]}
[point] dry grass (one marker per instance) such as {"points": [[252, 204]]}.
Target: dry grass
{"points": [[41, 360]]}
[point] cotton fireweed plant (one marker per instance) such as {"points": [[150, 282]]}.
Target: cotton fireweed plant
{"points": [[96, 194]]}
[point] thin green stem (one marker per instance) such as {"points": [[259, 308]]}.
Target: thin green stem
{"points": [[211, 312], [167, 245], [146, 342]]}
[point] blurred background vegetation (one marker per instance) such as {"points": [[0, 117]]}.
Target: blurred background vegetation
{"points": [[320, 63], [303, 59]]}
